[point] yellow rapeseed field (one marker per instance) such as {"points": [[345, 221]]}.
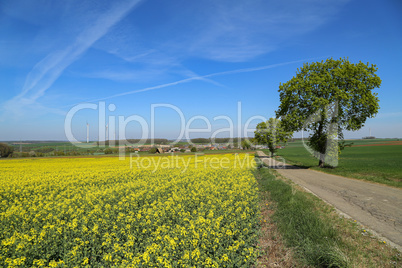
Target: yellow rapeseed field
{"points": [[187, 211]]}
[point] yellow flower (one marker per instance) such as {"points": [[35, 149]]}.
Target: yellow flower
{"points": [[182, 212]]}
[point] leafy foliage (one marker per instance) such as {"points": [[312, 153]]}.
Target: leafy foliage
{"points": [[133, 142], [327, 98], [271, 133], [201, 140], [245, 144], [44, 150], [108, 151], [5, 150], [59, 153]]}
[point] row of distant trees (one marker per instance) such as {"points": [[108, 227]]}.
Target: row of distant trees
{"points": [[166, 141], [215, 140], [133, 141]]}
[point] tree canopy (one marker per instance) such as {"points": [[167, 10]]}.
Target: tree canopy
{"points": [[271, 133], [245, 144], [5, 150], [328, 97], [201, 140]]}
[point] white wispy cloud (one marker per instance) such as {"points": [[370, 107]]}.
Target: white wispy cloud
{"points": [[134, 75], [388, 115], [203, 78], [223, 31], [145, 73], [48, 70], [240, 31]]}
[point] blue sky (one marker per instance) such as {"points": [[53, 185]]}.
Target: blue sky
{"points": [[206, 58]]}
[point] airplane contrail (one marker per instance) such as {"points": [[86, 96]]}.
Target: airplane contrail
{"points": [[245, 70]]}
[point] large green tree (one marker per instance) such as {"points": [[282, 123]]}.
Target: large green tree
{"points": [[271, 133], [326, 98]]}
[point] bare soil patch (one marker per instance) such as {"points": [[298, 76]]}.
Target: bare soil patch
{"points": [[274, 252], [379, 144]]}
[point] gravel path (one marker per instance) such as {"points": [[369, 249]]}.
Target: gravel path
{"points": [[376, 206]]}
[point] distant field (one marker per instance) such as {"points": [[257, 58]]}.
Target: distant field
{"points": [[68, 149], [377, 163], [63, 146]]}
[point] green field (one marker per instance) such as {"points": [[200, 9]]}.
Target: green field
{"points": [[56, 145], [381, 164]]}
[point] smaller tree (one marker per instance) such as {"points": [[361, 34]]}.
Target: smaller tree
{"points": [[194, 149], [271, 133], [245, 144], [5, 150]]}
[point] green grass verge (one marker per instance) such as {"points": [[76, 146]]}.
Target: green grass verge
{"points": [[381, 164], [313, 238]]}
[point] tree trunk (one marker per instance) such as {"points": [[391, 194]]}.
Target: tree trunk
{"points": [[321, 163], [321, 144]]}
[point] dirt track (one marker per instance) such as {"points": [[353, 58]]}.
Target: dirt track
{"points": [[378, 207]]}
